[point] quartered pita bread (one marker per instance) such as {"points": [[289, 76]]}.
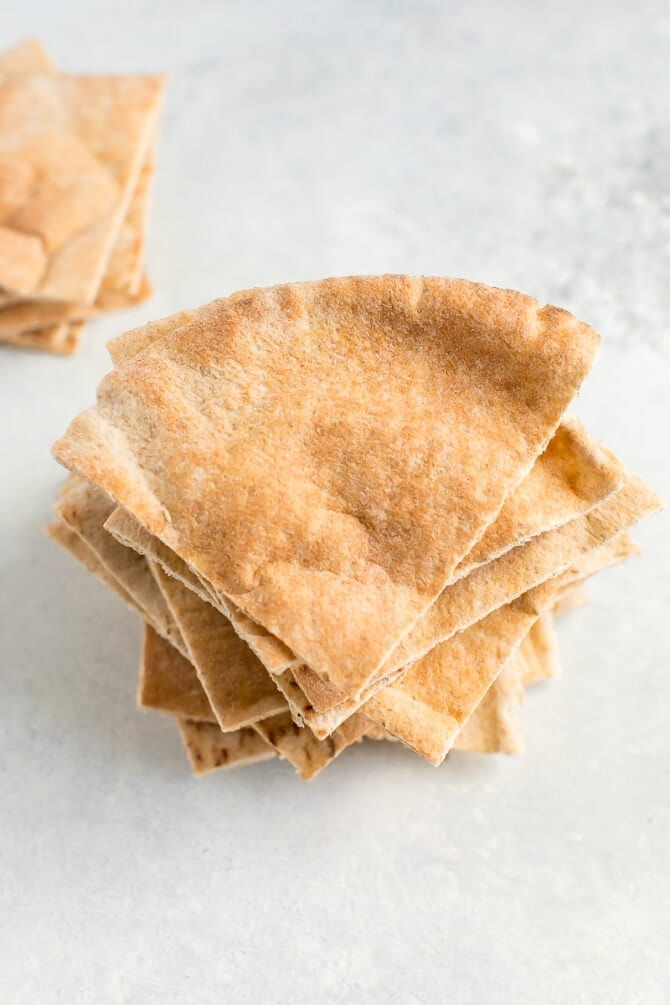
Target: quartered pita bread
{"points": [[572, 475], [209, 749], [427, 708], [348, 442], [238, 686], [168, 681], [542, 654], [73, 148], [84, 508]]}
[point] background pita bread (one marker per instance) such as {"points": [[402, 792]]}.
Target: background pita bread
{"points": [[55, 240]]}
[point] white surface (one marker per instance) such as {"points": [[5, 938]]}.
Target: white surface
{"points": [[519, 144]]}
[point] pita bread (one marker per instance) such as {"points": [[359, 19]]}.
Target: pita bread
{"points": [[64, 338], [237, 685], [541, 652], [72, 148], [84, 509], [73, 544], [493, 727], [171, 685], [570, 599], [209, 749], [545, 556], [427, 708], [300, 748], [383, 491], [273, 654], [28, 56], [168, 681], [574, 473]]}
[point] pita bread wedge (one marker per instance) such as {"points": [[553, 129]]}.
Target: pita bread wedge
{"points": [[273, 654], [73, 544], [430, 704], [493, 727], [28, 56], [348, 397], [72, 148], [84, 508], [238, 686], [574, 474], [489, 587], [168, 681], [170, 684], [540, 649], [300, 748], [570, 599], [209, 749]]}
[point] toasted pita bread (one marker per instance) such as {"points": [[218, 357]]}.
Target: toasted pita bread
{"points": [[543, 557], [28, 56], [308, 755], [63, 338], [270, 651], [209, 749], [238, 686], [84, 508], [427, 708], [540, 649], [568, 600], [73, 148], [168, 681], [493, 727], [383, 492], [574, 470], [73, 544]]}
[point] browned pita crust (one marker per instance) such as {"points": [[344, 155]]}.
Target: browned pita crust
{"points": [[383, 492], [209, 749], [73, 148]]}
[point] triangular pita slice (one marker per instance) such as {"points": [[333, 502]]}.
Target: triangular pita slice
{"points": [[209, 749], [238, 686], [169, 682], [541, 650], [84, 508], [428, 707], [300, 748], [332, 485]]}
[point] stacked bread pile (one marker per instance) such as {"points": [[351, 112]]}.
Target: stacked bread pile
{"points": [[346, 508], [76, 167]]}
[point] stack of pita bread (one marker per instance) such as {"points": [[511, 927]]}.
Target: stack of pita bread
{"points": [[76, 168], [346, 509]]}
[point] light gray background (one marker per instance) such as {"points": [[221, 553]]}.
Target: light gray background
{"points": [[521, 144]]}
